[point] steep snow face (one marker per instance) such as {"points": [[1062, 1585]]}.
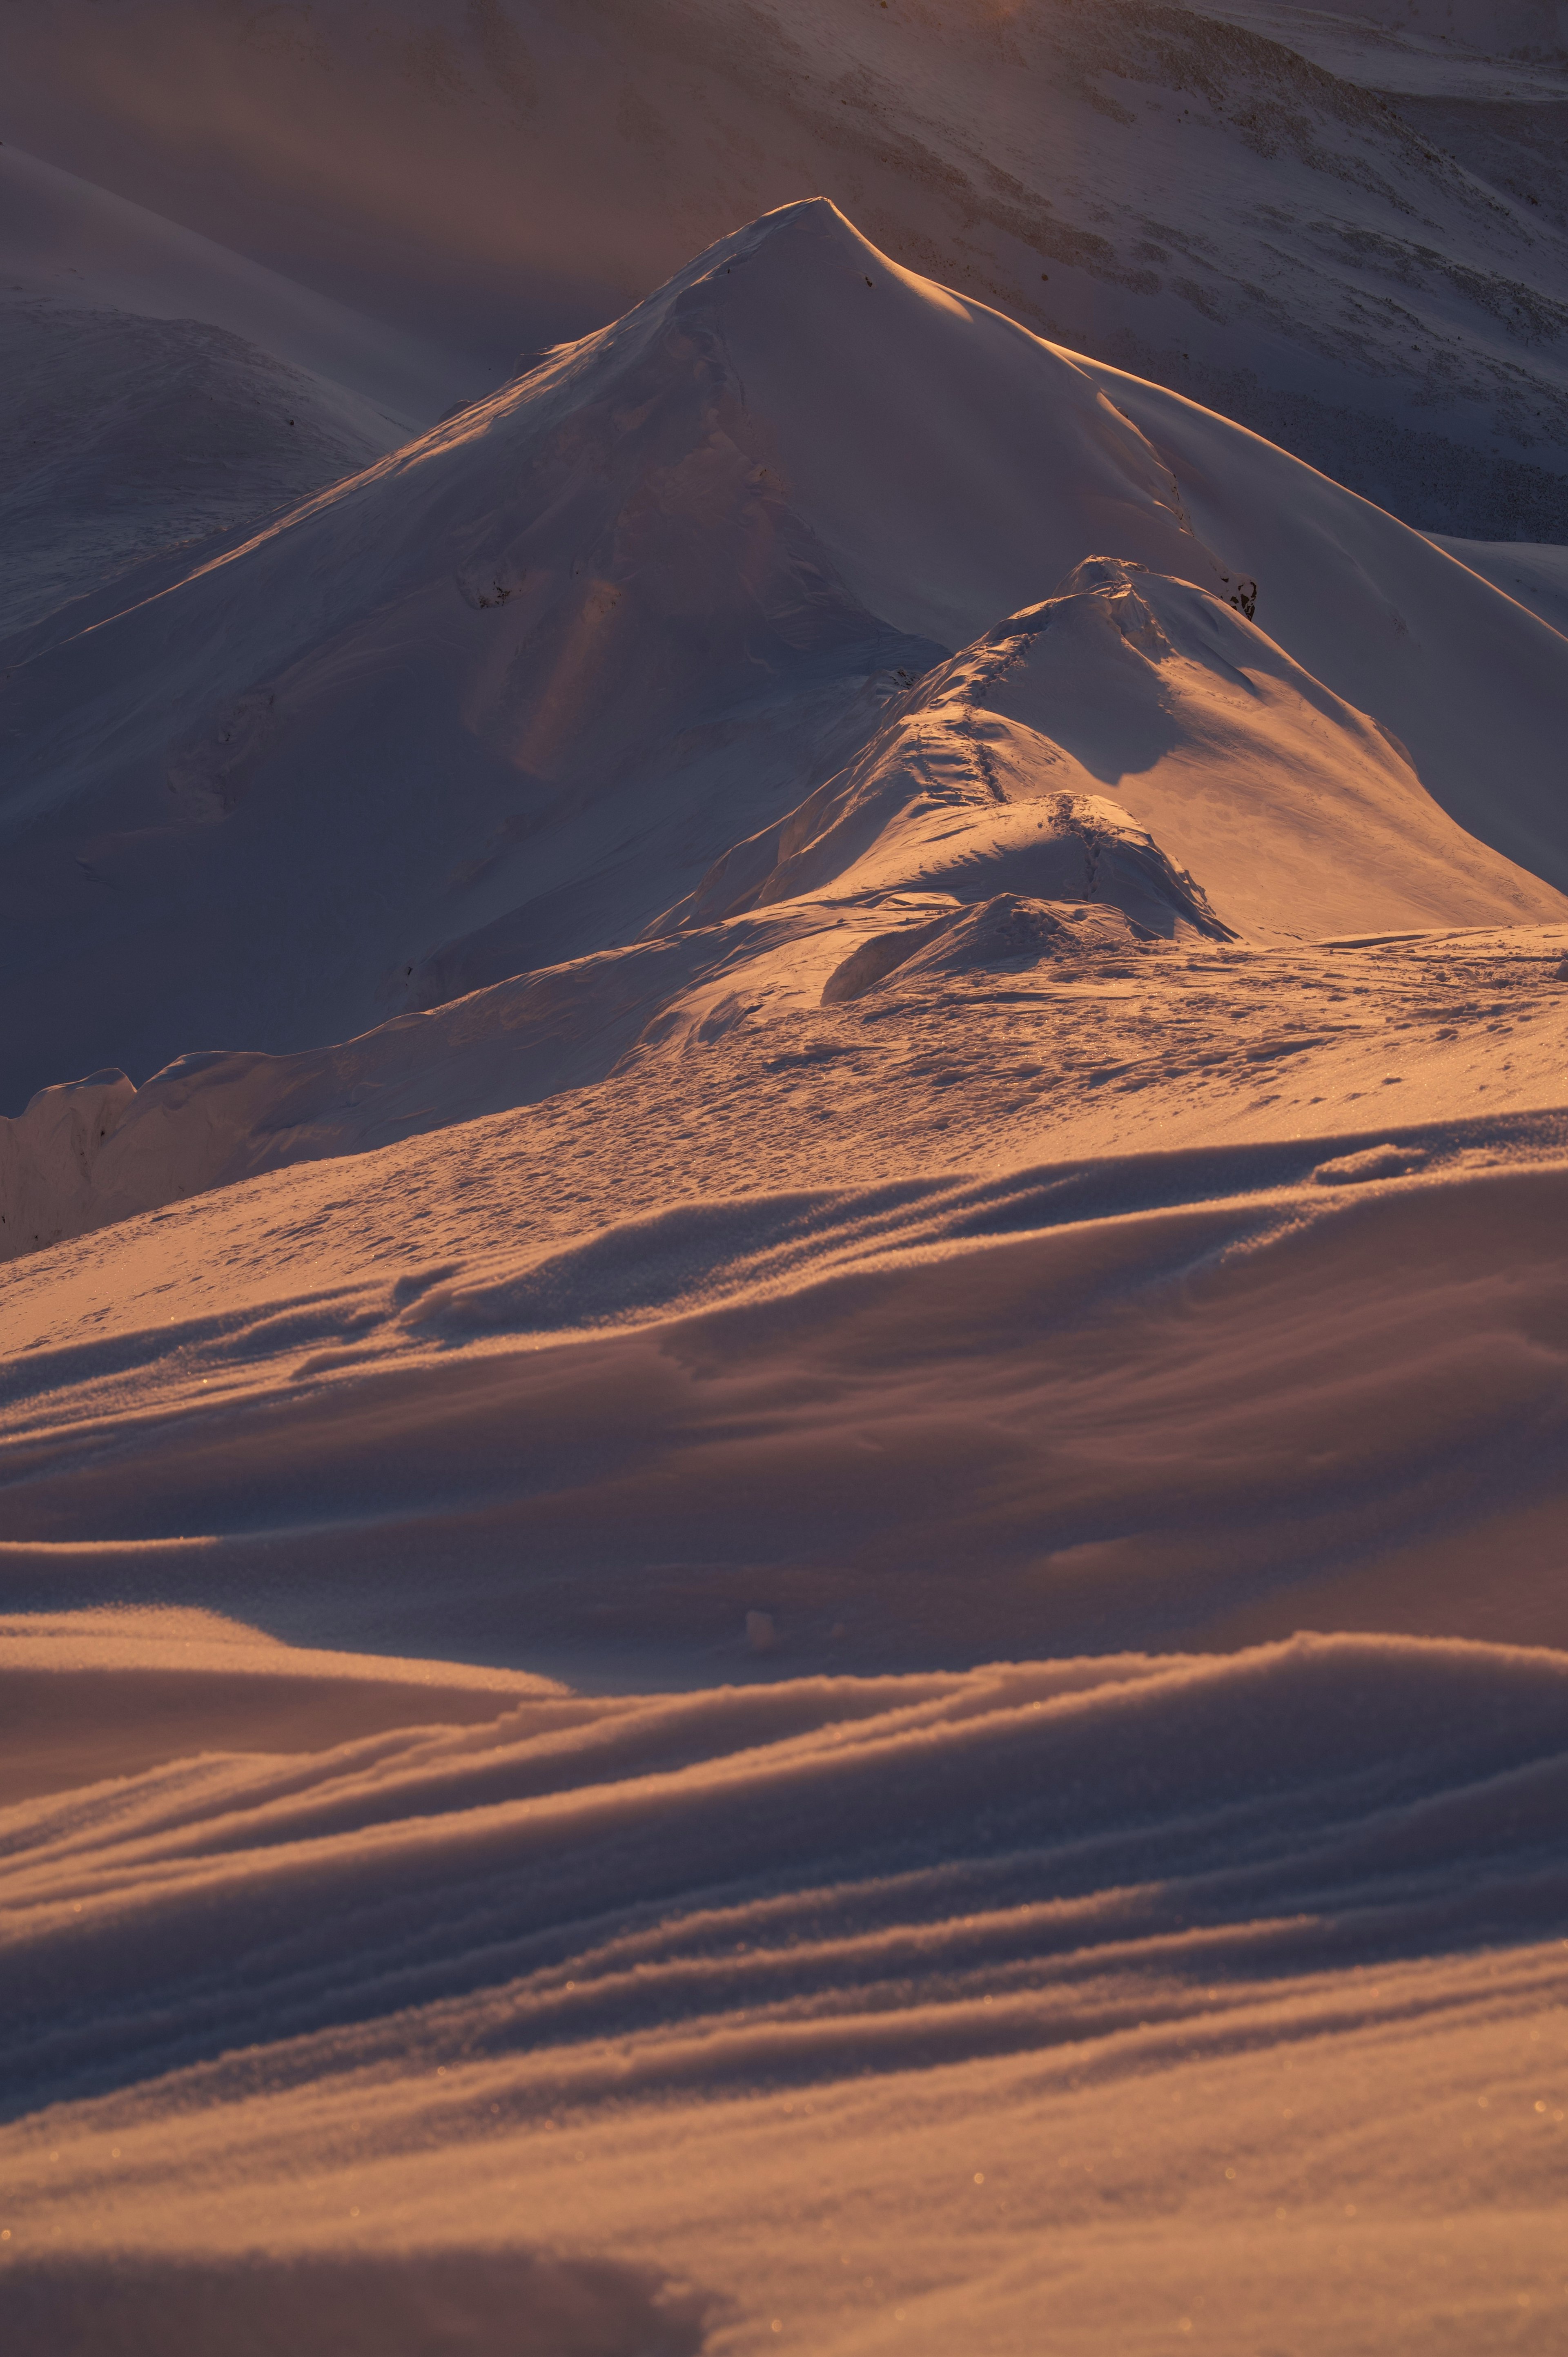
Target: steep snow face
{"points": [[505, 697], [1256, 205]]}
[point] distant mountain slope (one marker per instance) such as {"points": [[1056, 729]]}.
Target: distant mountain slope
{"points": [[64, 240], [122, 437], [155, 389], [1509, 28], [520, 685], [1266, 209], [1537, 577]]}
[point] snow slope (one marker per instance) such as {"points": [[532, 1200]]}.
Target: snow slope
{"points": [[1537, 577], [503, 699], [155, 391], [1187, 1393], [793, 1963], [1254, 206]]}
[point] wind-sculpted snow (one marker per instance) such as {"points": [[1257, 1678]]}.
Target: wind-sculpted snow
{"points": [[881, 1953], [1000, 932], [824, 1077], [779, 1883], [98, 1149]]}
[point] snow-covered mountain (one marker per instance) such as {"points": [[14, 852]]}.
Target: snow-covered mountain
{"points": [[1347, 229], [508, 697]]}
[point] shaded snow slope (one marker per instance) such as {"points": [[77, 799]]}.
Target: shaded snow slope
{"points": [[1537, 577], [332, 2305], [1262, 207], [503, 699], [66, 240], [155, 391], [124, 438], [1420, 45]]}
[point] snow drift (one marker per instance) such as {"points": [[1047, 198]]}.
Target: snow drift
{"points": [[787, 1882]]}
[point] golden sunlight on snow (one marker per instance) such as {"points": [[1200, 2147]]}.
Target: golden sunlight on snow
{"points": [[783, 1183]]}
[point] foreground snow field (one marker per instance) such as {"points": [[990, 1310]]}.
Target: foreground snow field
{"points": [[1119, 2001], [782, 1443]]}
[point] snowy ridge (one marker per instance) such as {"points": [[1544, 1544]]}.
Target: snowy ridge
{"points": [[523, 691], [1213, 737]]}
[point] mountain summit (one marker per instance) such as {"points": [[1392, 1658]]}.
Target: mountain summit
{"points": [[522, 684]]}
